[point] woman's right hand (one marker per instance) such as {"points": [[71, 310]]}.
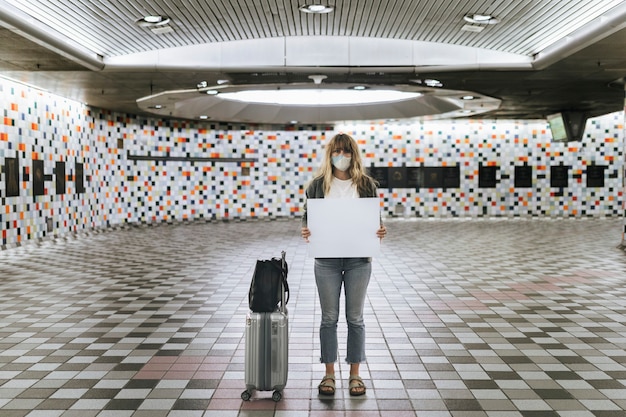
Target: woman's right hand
{"points": [[305, 232]]}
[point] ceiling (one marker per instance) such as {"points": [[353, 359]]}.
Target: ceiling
{"points": [[544, 56]]}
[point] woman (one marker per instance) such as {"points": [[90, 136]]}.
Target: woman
{"points": [[342, 175]]}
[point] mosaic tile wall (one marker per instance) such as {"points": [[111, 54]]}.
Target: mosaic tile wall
{"points": [[138, 170]]}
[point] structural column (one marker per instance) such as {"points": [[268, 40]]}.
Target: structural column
{"points": [[623, 244]]}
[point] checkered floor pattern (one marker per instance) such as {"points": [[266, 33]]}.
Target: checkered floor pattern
{"points": [[465, 318]]}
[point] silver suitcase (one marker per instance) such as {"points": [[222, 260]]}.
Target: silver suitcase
{"points": [[267, 351]]}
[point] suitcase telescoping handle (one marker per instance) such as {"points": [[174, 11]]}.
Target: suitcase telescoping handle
{"points": [[283, 286]]}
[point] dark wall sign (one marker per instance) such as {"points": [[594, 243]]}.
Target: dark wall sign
{"points": [[59, 173], [595, 175], [79, 178], [417, 177], [559, 176], [397, 177], [487, 176], [523, 176], [12, 176], [433, 177], [381, 175], [451, 176], [38, 178], [414, 177]]}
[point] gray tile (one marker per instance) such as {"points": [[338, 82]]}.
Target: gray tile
{"points": [[480, 318]]}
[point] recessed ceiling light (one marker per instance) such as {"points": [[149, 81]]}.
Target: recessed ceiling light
{"points": [[359, 87], [318, 78], [156, 106], [204, 117], [212, 92], [481, 19], [316, 8], [152, 20], [468, 97], [433, 83]]}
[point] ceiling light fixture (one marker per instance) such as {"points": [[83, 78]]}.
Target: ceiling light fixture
{"points": [[305, 102], [316, 8], [481, 19], [152, 20], [318, 97], [433, 83], [429, 82], [318, 78]]}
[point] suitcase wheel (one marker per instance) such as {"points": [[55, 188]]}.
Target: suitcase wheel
{"points": [[246, 395], [276, 396]]}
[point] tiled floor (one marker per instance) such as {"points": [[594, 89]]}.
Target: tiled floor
{"points": [[498, 318]]}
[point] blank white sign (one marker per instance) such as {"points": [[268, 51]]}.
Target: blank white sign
{"points": [[343, 227]]}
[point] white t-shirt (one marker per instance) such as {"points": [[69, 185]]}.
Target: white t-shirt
{"points": [[342, 189]]}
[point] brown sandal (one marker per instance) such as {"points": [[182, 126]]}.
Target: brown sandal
{"points": [[327, 386], [357, 387]]}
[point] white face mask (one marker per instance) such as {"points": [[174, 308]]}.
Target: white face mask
{"points": [[341, 162]]}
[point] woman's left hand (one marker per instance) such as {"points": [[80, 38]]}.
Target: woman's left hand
{"points": [[381, 232]]}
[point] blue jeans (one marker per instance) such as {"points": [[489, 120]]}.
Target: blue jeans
{"points": [[354, 274]]}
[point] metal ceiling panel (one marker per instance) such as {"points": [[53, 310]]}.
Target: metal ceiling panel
{"points": [[583, 70], [108, 27]]}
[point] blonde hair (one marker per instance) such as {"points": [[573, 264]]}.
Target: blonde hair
{"points": [[356, 171]]}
